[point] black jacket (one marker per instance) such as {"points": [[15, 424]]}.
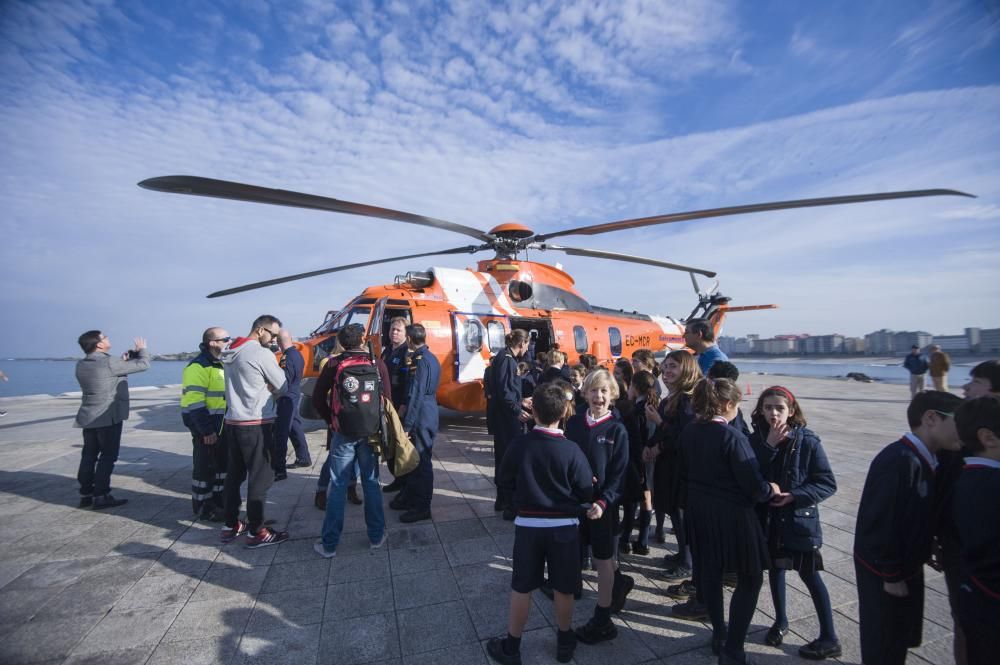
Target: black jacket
{"points": [[892, 538], [504, 394], [718, 462], [798, 465], [606, 447], [547, 475]]}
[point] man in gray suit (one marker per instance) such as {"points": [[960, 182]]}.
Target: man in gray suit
{"points": [[103, 410]]}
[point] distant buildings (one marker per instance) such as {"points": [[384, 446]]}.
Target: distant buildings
{"points": [[879, 343]]}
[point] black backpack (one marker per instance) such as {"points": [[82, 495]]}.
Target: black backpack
{"points": [[356, 398]]}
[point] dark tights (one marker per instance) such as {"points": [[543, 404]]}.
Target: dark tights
{"points": [[817, 591], [741, 607], [628, 521]]}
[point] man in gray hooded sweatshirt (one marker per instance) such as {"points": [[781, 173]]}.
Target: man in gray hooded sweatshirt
{"points": [[253, 378]]}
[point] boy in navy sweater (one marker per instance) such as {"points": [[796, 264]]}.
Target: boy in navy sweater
{"points": [[552, 486], [976, 515], [892, 539], [604, 439]]}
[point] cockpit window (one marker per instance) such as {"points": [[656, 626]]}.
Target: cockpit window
{"points": [[357, 314]]}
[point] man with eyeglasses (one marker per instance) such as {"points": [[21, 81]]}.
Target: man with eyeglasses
{"points": [[103, 410], [203, 407], [253, 378]]}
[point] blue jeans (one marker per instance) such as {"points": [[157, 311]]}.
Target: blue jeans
{"points": [[324, 471], [344, 453]]}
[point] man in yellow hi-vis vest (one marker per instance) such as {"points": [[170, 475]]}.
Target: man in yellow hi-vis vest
{"points": [[203, 407]]}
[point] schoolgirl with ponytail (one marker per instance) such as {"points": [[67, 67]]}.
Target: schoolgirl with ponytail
{"points": [[724, 484]]}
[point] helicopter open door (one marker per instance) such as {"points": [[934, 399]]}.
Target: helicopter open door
{"points": [[477, 337]]}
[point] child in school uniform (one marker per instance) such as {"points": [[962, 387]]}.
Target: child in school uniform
{"points": [[724, 484], [551, 483], [604, 441], [892, 538], [791, 455], [976, 514], [639, 477]]}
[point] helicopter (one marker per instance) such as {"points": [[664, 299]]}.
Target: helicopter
{"points": [[467, 313]]}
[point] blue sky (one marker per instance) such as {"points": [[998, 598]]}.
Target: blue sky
{"points": [[556, 114]]}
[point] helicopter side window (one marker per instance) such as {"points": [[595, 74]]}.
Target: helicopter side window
{"points": [[495, 335], [473, 336], [580, 339], [615, 338]]}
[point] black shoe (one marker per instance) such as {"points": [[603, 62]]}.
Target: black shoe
{"points": [[639, 548], [624, 547], [677, 573], [681, 591], [692, 610], [593, 632], [775, 635], [108, 501], [658, 535], [301, 464], [394, 486], [622, 587], [817, 650], [496, 651], [717, 644], [280, 475], [415, 515], [86, 501], [320, 499], [498, 505], [672, 560], [353, 496], [508, 515], [730, 580], [565, 646], [211, 515], [726, 659], [398, 503]]}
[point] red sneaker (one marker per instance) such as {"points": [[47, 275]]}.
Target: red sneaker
{"points": [[231, 534], [266, 536]]}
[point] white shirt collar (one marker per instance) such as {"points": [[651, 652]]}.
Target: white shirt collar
{"points": [[591, 421], [928, 456], [982, 461], [555, 431]]}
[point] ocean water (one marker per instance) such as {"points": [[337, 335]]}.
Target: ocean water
{"points": [[52, 377], [39, 377]]}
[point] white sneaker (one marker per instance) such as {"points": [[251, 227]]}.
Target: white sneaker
{"points": [[320, 550], [381, 541]]}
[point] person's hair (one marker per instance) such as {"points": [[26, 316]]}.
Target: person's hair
{"points": [[976, 414], [689, 378], [645, 358], [598, 377], [556, 357], [516, 337], [710, 395], [930, 400], [580, 369], [523, 368], [351, 336], [548, 402], [416, 333], [645, 386], [89, 340], [265, 320], [701, 327], [398, 319], [989, 370], [542, 359], [588, 360], [796, 416], [723, 369], [625, 367]]}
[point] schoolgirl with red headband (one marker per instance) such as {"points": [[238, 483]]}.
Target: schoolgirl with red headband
{"points": [[791, 455]]}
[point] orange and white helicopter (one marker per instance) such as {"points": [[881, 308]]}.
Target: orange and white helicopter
{"points": [[467, 313]]}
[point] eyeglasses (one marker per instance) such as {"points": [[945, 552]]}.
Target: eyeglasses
{"points": [[944, 414], [221, 339]]}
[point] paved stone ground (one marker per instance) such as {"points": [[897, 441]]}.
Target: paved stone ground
{"points": [[146, 584]]}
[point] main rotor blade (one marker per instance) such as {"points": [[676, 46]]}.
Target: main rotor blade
{"points": [[224, 189], [615, 256], [740, 210], [469, 249]]}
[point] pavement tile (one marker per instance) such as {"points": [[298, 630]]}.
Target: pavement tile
{"points": [[432, 627], [359, 640], [152, 591], [300, 607], [202, 651], [450, 532], [413, 535], [52, 574], [228, 582], [43, 640], [453, 513], [210, 619], [626, 649], [18, 605], [417, 559], [297, 575], [462, 654], [192, 561], [132, 656], [424, 588], [475, 550], [286, 645], [356, 599], [126, 629], [356, 567]]}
